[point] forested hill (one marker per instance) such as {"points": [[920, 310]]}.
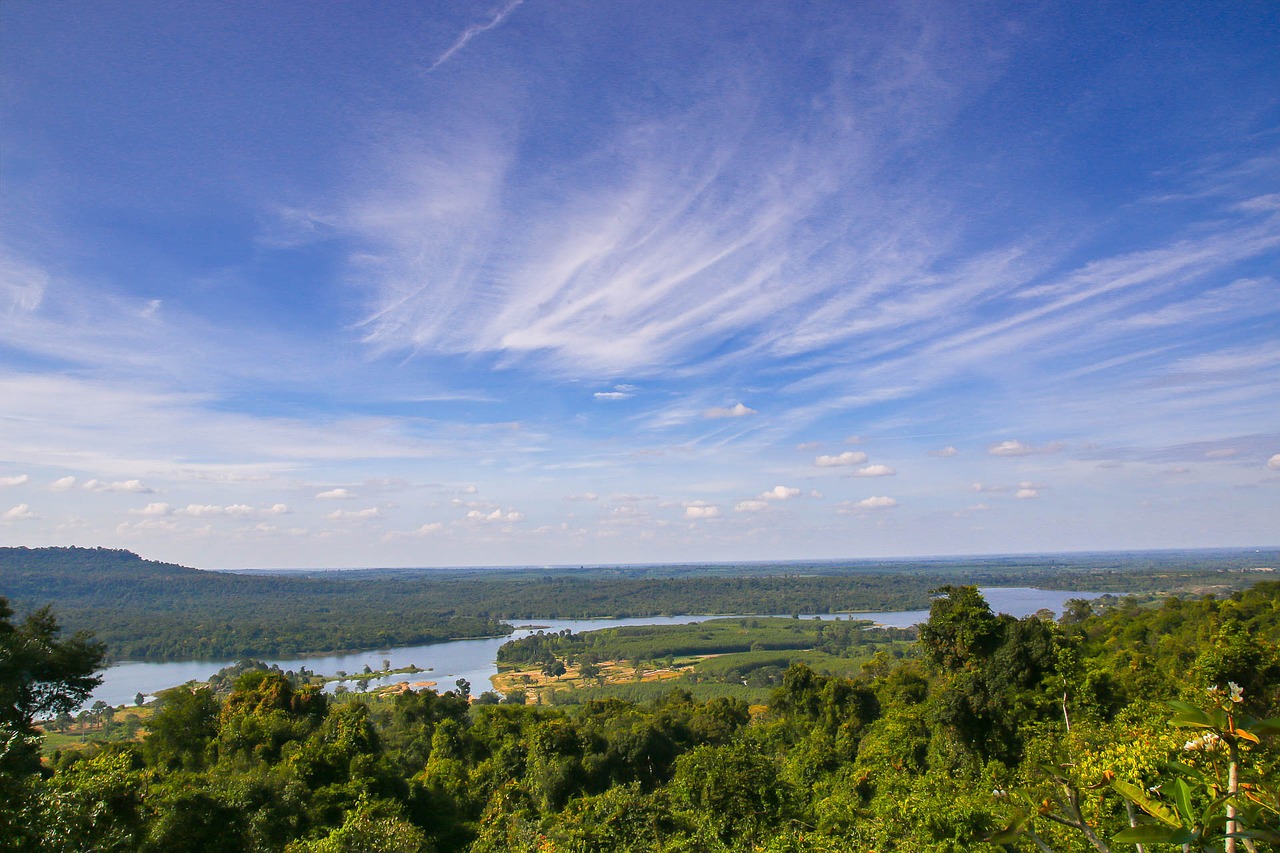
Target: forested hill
{"points": [[156, 611], [160, 611]]}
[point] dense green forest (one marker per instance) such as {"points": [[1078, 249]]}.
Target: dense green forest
{"points": [[145, 610], [1153, 725]]}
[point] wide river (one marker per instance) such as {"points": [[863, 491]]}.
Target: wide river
{"points": [[475, 660]]}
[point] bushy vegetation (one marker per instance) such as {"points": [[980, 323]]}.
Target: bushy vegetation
{"points": [[1138, 725]]}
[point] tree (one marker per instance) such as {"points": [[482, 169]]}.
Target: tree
{"points": [[40, 674]]}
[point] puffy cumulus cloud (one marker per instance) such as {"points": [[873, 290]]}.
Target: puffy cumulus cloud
{"points": [[944, 452], [737, 410], [355, 514], [16, 480], [871, 504], [21, 512], [278, 509], [198, 510], [62, 484], [585, 496], [1010, 447], [875, 471], [781, 493], [153, 509], [136, 487], [849, 457], [751, 506], [510, 515], [1274, 462], [338, 494], [1026, 494], [701, 509]]}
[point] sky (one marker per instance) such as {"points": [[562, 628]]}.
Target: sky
{"points": [[538, 282]]}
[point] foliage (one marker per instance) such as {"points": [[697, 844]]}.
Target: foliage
{"points": [[999, 733]]}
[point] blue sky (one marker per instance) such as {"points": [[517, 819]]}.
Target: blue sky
{"points": [[355, 284]]}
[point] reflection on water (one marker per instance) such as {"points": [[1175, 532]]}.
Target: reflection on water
{"points": [[474, 660]]}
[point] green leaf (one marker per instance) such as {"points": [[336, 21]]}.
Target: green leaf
{"points": [[1199, 720], [1013, 831], [1152, 834], [1139, 797], [1185, 707], [1182, 797], [1266, 727]]}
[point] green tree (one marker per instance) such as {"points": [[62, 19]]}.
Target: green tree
{"points": [[40, 676], [182, 729]]}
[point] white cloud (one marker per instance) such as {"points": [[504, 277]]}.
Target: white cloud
{"points": [[1220, 453], [875, 502], [278, 509], [21, 512], [987, 487], [199, 510], [853, 439], [136, 487], [944, 452], [875, 471], [585, 496], [496, 515], [62, 484], [355, 514], [735, 411], [338, 494], [238, 510], [751, 506], [781, 493], [1274, 462], [1010, 447], [153, 509], [697, 511], [806, 446], [424, 530], [1027, 494], [849, 457], [611, 396], [16, 480]]}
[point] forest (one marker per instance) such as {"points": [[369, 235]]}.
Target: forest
{"points": [[1139, 727], [147, 610]]}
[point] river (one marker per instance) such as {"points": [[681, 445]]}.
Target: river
{"points": [[475, 660]]}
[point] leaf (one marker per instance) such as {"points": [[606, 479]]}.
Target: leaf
{"points": [[1199, 720], [1186, 708], [1012, 832], [1186, 770], [1139, 797], [1267, 727], [1152, 834], [1182, 797], [1244, 735]]}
